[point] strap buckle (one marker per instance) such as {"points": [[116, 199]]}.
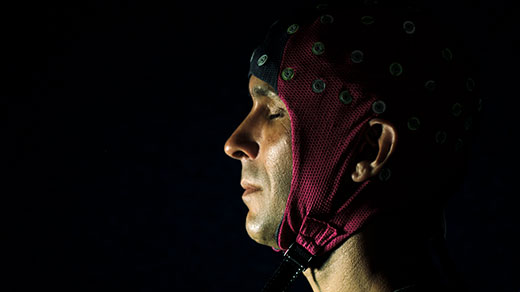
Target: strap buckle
{"points": [[295, 260], [298, 255]]}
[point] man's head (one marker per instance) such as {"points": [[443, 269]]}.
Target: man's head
{"points": [[340, 75], [262, 142]]}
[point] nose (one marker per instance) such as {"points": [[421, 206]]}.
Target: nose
{"points": [[242, 143]]}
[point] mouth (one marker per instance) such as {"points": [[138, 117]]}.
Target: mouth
{"points": [[249, 188], [250, 191]]}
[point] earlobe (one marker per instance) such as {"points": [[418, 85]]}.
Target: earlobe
{"points": [[385, 146], [362, 171]]}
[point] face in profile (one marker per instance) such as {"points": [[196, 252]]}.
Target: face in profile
{"points": [[262, 143]]}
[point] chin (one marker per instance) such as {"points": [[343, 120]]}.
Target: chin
{"points": [[259, 232]]}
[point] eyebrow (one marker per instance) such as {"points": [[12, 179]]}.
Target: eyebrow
{"points": [[262, 91]]}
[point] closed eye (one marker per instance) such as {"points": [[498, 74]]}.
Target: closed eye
{"points": [[272, 117]]}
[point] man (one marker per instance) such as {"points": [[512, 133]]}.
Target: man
{"points": [[357, 136]]}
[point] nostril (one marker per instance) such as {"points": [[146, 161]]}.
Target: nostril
{"points": [[239, 154]]}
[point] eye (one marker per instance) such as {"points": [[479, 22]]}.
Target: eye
{"points": [[279, 113], [274, 116]]}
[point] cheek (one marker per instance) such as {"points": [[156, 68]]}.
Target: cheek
{"points": [[278, 150], [279, 163]]}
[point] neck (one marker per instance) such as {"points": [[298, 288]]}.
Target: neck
{"points": [[383, 256]]}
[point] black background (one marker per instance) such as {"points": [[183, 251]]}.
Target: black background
{"points": [[116, 115]]}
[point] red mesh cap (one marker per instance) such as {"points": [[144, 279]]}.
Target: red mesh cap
{"points": [[343, 67]]}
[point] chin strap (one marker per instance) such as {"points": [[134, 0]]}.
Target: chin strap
{"points": [[295, 260]]}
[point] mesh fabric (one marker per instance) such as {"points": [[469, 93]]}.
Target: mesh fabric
{"points": [[347, 66]]}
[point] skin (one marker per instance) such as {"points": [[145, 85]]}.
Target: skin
{"points": [[385, 255], [262, 143]]}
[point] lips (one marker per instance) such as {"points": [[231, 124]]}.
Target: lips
{"points": [[249, 188], [249, 191]]}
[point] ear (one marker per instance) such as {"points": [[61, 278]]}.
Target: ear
{"points": [[384, 143]]}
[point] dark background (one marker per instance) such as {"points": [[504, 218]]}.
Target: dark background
{"points": [[116, 115]]}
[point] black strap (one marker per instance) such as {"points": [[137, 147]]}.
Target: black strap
{"points": [[295, 260]]}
